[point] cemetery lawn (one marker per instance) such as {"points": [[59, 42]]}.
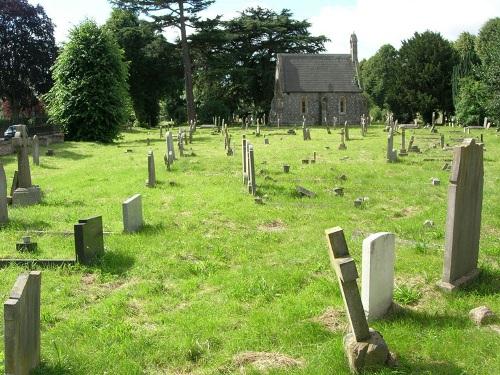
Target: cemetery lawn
{"points": [[213, 274]]}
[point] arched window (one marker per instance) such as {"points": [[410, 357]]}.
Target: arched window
{"points": [[303, 105], [342, 105]]}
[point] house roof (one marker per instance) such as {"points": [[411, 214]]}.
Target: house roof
{"points": [[318, 73]]}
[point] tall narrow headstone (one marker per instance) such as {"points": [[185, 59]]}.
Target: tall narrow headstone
{"points": [[391, 153], [377, 278], [25, 193], [342, 145], [346, 131], [36, 150], [4, 214], [252, 188], [403, 152], [151, 182], [463, 220], [22, 325], [170, 145], [244, 155]]}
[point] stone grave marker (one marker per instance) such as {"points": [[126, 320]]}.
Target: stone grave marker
{"points": [[463, 219], [403, 152], [26, 245], [132, 214], [342, 145], [391, 153], [244, 155], [377, 276], [25, 193], [89, 240], [151, 181], [364, 347], [36, 150], [170, 147], [22, 325], [4, 213], [346, 131], [286, 168], [252, 188], [302, 191], [441, 141], [50, 152]]}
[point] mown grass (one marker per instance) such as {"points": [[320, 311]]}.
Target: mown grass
{"points": [[213, 274]]}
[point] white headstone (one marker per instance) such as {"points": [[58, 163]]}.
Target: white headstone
{"points": [[132, 214], [4, 215], [377, 278]]}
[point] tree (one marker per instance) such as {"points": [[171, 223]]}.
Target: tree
{"points": [[27, 51], [154, 67], [236, 59], [470, 102], [89, 97], [468, 61], [177, 13], [424, 81], [488, 49], [379, 76]]}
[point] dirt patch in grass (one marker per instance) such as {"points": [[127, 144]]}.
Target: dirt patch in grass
{"points": [[406, 212], [428, 292], [264, 361], [273, 226], [332, 319]]}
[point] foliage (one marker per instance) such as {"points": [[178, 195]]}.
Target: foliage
{"points": [[89, 97], [173, 13], [154, 65], [236, 59], [488, 49], [27, 51], [379, 76], [424, 81], [406, 295], [471, 102]]}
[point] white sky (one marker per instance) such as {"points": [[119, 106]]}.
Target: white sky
{"points": [[376, 22]]}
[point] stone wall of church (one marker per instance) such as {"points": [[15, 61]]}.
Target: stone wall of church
{"points": [[318, 106]]}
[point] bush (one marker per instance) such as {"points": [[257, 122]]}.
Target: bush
{"points": [[89, 98]]}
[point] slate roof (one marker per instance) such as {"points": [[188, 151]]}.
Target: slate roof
{"points": [[318, 73]]}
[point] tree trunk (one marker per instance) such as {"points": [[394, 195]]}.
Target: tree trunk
{"points": [[15, 109], [188, 76]]}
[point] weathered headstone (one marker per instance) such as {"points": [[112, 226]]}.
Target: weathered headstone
{"points": [[342, 145], [302, 191], [252, 188], [36, 150], [463, 220], [25, 194], [244, 155], [151, 181], [132, 214], [346, 131], [391, 153], [364, 347], [4, 213], [89, 240], [170, 146], [403, 152], [286, 168], [377, 276], [26, 245], [22, 325]]}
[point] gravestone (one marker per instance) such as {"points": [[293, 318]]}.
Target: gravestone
{"points": [[170, 147], [252, 188], [132, 214], [441, 141], [22, 325], [244, 155], [403, 152], [89, 241], [463, 219], [25, 193], [342, 145], [26, 245], [151, 181], [346, 131], [36, 150], [377, 278], [4, 213], [302, 191], [286, 168], [391, 153], [364, 347]]}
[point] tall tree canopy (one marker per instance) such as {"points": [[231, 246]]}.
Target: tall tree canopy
{"points": [[176, 13], [89, 97], [27, 51], [154, 64], [238, 57]]}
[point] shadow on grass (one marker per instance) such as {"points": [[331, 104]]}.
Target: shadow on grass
{"points": [[424, 319], [25, 223], [48, 369], [486, 284], [431, 367], [153, 228], [115, 263], [45, 166], [65, 154]]}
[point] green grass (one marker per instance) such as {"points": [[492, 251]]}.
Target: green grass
{"points": [[213, 274]]}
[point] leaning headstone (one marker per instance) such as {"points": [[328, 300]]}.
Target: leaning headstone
{"points": [[463, 220], [4, 213], [151, 181], [302, 191], [36, 150], [377, 274], [364, 347], [22, 325], [25, 193], [89, 240], [132, 214]]}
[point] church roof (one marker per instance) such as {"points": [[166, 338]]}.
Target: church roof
{"points": [[318, 73]]}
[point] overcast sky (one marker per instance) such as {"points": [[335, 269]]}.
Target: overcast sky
{"points": [[376, 22]]}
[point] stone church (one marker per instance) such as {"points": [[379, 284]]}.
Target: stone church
{"points": [[319, 88]]}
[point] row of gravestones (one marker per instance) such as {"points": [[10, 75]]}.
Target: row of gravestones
{"points": [[248, 166], [365, 347]]}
